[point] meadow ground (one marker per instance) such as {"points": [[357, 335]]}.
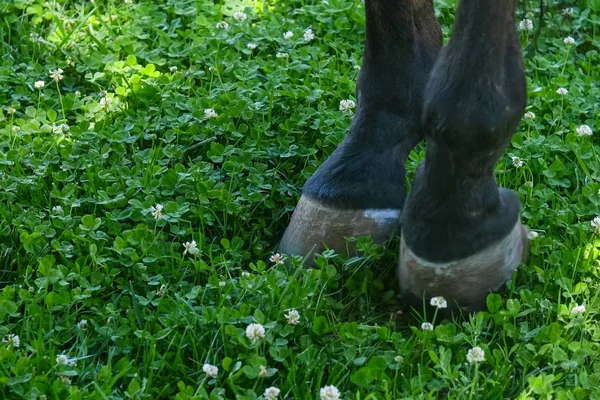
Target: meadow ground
{"points": [[151, 153]]}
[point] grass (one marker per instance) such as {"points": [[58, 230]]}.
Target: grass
{"points": [[103, 301]]}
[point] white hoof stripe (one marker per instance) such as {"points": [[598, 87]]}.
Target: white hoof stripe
{"points": [[315, 225]]}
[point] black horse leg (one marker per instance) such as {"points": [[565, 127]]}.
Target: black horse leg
{"points": [[360, 189], [462, 235]]}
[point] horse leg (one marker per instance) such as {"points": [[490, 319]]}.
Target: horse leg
{"points": [[462, 236], [360, 189]]}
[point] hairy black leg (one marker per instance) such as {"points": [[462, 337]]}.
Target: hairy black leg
{"points": [[474, 100], [367, 169], [360, 189]]}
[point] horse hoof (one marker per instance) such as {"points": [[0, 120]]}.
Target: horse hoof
{"points": [[316, 226], [465, 283]]}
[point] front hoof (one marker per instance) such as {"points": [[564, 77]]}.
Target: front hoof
{"points": [[465, 282], [315, 225]]}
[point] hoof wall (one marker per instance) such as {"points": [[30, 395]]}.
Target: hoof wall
{"points": [[465, 282], [316, 226]]}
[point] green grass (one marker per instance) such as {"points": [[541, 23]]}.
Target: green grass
{"points": [[83, 160]]}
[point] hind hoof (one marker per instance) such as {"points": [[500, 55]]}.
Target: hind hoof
{"points": [[465, 283], [316, 226]]}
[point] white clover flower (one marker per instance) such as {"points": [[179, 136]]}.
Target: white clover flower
{"points": [[64, 128], [426, 326], [156, 211], [255, 332], [245, 274], [106, 102], [567, 11], [476, 354], [222, 284], [357, 67], [66, 380], [210, 370], [173, 68], [330, 393], [578, 309], [561, 91], [62, 359], [210, 113], [399, 359], [584, 130], [11, 110], [293, 317], [526, 25], [263, 371], [569, 41], [596, 224], [529, 184], [191, 248], [39, 84], [82, 324], [346, 105], [239, 16], [288, 35], [282, 55], [56, 75], [529, 115], [222, 25], [59, 128], [57, 209], [309, 35], [276, 258], [532, 235], [517, 162], [251, 46], [16, 129], [12, 340], [438, 302], [271, 393]]}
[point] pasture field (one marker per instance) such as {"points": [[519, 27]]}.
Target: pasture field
{"points": [[151, 154]]}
